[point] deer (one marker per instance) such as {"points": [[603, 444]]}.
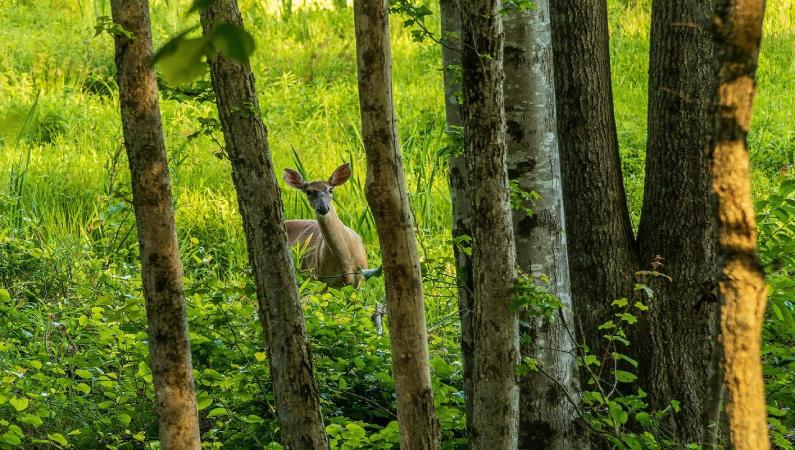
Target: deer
{"points": [[334, 253]]}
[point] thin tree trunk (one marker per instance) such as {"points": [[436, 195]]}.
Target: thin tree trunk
{"points": [[495, 328], [161, 270], [388, 198], [599, 233], [676, 221], [280, 313], [738, 28], [549, 400], [459, 197]]}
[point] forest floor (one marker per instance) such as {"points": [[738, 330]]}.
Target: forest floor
{"points": [[72, 326]]}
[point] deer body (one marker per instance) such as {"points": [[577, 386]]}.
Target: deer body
{"points": [[334, 253]]}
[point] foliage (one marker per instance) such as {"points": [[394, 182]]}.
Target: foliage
{"points": [[615, 410], [776, 222], [73, 356]]}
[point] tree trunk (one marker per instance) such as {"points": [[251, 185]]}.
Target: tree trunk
{"points": [[548, 399], [388, 198], [161, 270], [495, 328], [738, 28], [260, 204], [601, 245], [676, 222], [461, 217], [673, 341]]}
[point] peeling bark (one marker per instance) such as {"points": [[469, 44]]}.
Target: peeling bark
{"points": [[161, 269], [495, 399], [548, 418], [259, 200], [388, 198]]}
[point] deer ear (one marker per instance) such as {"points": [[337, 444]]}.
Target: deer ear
{"points": [[294, 179], [340, 175]]}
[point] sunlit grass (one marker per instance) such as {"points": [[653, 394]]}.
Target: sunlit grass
{"points": [[305, 68]]}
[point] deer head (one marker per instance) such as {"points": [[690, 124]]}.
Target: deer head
{"points": [[319, 193]]}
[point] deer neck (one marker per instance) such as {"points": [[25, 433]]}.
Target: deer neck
{"points": [[335, 234]]}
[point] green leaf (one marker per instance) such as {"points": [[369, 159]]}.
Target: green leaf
{"points": [[10, 438], [58, 437], [620, 303], [180, 60], [4, 295], [252, 418], [643, 418], [617, 413], [124, 418], [19, 403], [628, 318], [204, 402], [623, 376], [592, 360], [607, 325], [82, 373], [82, 387], [217, 412], [233, 41], [30, 419], [259, 356]]}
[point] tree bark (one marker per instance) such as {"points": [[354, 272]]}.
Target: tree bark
{"points": [[260, 204], [676, 221], [548, 400], [495, 328], [388, 198], [738, 28], [458, 180], [673, 341], [602, 257], [161, 269]]}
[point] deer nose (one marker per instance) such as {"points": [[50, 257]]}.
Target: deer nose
{"points": [[322, 210]]}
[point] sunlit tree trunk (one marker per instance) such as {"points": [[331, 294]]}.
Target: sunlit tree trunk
{"points": [[461, 217], [259, 200], [495, 399], [161, 270], [549, 398], [738, 29], [388, 199]]}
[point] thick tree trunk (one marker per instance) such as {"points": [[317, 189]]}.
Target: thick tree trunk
{"points": [[676, 221], [388, 198], [260, 204], [161, 270], [495, 328], [548, 399], [738, 28], [601, 245], [459, 197], [674, 339]]}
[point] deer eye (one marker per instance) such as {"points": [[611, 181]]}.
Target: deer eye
{"points": [[330, 190]]}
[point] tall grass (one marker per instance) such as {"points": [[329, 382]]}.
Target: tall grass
{"points": [[305, 67]]}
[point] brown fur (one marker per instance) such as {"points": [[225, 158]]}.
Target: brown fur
{"points": [[334, 253]]}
